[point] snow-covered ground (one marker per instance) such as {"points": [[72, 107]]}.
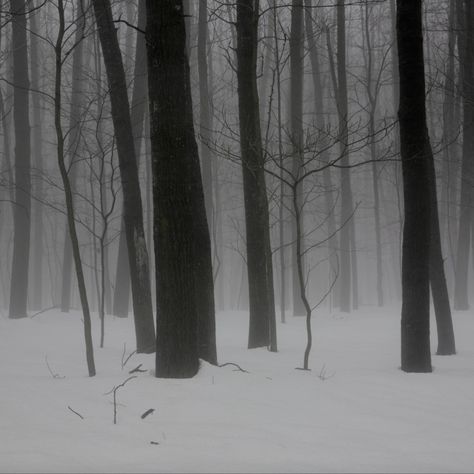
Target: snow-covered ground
{"points": [[354, 412]]}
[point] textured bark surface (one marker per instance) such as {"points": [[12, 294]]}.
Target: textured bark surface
{"points": [[262, 329], [415, 149], [184, 284], [132, 202]]}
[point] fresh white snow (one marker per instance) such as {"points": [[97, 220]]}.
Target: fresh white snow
{"points": [[355, 411]]}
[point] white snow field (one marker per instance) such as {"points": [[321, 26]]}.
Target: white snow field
{"points": [[354, 412]]}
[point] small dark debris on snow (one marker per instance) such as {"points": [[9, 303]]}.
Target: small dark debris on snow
{"points": [[148, 412]]}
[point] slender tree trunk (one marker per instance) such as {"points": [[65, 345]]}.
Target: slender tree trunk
{"points": [[347, 226], [37, 290], [132, 202], [122, 276], [296, 137], [415, 149], [319, 112], [262, 329], [461, 300], [184, 283], [22, 204], [68, 192], [205, 119], [73, 144]]}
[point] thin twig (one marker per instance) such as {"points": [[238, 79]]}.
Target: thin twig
{"points": [[75, 412], [235, 365]]}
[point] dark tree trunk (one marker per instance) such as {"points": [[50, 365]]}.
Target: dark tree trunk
{"points": [[37, 247], [415, 149], [59, 57], [439, 288], [296, 137], [184, 284], [461, 299], [132, 202], [122, 277], [22, 204], [347, 256], [73, 145], [262, 330], [319, 113]]}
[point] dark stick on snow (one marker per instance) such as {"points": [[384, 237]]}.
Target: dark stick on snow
{"points": [[75, 412], [235, 365], [137, 369], [148, 412]]}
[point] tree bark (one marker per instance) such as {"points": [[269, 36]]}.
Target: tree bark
{"points": [[347, 257], [184, 283], [262, 328], [138, 107], [22, 204], [461, 299], [132, 202], [415, 149]]}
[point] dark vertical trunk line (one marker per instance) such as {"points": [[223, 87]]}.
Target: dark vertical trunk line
{"points": [[415, 150], [22, 203], [262, 327]]}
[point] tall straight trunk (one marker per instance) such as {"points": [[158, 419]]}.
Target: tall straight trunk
{"points": [[37, 290], [415, 151], [132, 202], [205, 119], [138, 107], [397, 253], [184, 284], [461, 300], [59, 61], [73, 144], [319, 112], [262, 329], [22, 203], [282, 197], [297, 139], [372, 87], [347, 225]]}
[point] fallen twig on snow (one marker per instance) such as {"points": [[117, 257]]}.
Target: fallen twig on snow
{"points": [[235, 365], [76, 413], [137, 369], [43, 311], [53, 374], [148, 412]]}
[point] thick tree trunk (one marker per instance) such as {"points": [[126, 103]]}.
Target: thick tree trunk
{"points": [[461, 299], [132, 202], [262, 330], [296, 137], [22, 204], [415, 149], [184, 284]]}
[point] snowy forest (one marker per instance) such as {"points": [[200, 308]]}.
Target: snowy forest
{"points": [[236, 236]]}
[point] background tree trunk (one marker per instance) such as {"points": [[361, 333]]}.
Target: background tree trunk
{"points": [[262, 329], [22, 204]]}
